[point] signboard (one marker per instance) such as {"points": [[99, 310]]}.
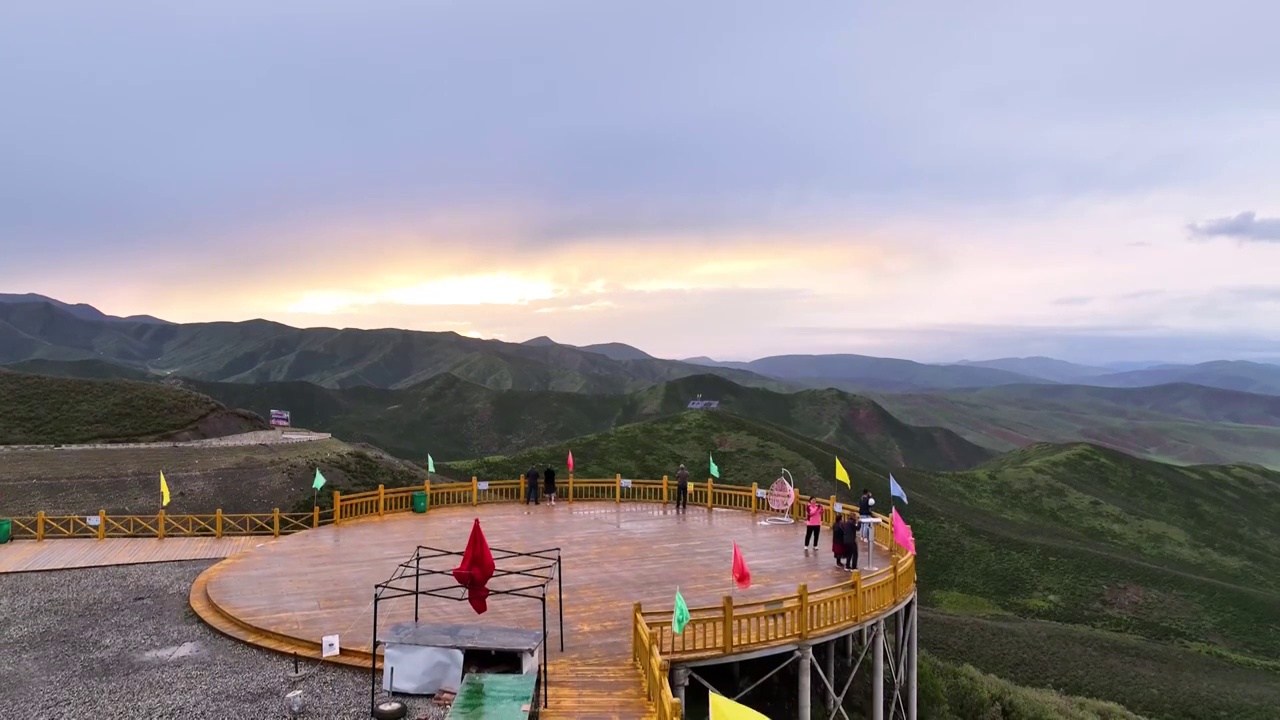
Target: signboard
{"points": [[704, 404], [626, 483], [761, 492], [482, 485], [280, 418], [329, 646], [837, 508]]}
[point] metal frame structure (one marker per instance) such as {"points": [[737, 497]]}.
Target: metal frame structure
{"points": [[898, 646], [537, 578]]}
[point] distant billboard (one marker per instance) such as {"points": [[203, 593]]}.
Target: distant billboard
{"points": [[704, 404], [280, 418]]}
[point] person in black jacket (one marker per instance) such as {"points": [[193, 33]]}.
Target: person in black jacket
{"points": [[682, 489], [549, 483], [531, 486], [865, 503]]}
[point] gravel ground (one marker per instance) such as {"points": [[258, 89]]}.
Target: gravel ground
{"points": [[121, 642]]}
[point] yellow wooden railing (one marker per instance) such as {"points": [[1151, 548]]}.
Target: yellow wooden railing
{"points": [[712, 631]]}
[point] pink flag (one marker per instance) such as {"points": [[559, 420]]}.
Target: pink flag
{"points": [[902, 532], [570, 461]]}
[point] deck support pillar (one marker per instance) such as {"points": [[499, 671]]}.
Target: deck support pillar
{"points": [[679, 681], [831, 675], [848, 648], [913, 658], [877, 671], [805, 694]]}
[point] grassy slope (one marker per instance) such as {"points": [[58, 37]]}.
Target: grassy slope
{"points": [[1076, 568], [451, 418], [238, 479], [1174, 423], [39, 409]]}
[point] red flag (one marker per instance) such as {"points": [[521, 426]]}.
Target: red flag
{"points": [[570, 461], [476, 569], [741, 574]]}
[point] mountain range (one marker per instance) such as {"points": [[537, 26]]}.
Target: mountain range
{"points": [[33, 327]]}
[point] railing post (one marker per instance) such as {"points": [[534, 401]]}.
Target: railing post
{"points": [[337, 507], [754, 488], [381, 499], [426, 488], [315, 516], [728, 624], [40, 525], [275, 522], [617, 487], [710, 492], [857, 596], [524, 487], [475, 490], [833, 510], [664, 489], [804, 611], [102, 524], [217, 523], [160, 524], [893, 560], [570, 487], [636, 619]]}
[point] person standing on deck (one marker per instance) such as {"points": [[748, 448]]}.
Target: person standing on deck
{"points": [[531, 486], [813, 511], [549, 483], [837, 540], [682, 489], [865, 503], [850, 544]]}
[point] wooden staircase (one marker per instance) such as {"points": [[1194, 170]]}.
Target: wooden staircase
{"points": [[596, 691]]}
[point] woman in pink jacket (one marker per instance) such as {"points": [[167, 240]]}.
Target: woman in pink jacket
{"points": [[814, 512]]}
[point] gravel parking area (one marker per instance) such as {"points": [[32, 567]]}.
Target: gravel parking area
{"points": [[121, 642]]}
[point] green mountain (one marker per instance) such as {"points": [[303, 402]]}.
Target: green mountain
{"points": [[860, 372], [1070, 567], [1238, 375], [451, 418], [1179, 423], [46, 410], [259, 351], [1042, 367]]}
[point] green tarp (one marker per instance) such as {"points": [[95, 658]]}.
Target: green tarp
{"points": [[495, 697]]}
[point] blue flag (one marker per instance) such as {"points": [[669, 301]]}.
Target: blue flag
{"points": [[895, 490]]}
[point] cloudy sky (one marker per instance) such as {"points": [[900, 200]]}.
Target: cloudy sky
{"points": [[936, 180]]}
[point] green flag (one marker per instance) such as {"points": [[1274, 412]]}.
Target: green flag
{"points": [[679, 616], [715, 471], [431, 464], [319, 482]]}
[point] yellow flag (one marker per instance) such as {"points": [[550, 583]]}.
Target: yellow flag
{"points": [[841, 474], [722, 708], [164, 491]]}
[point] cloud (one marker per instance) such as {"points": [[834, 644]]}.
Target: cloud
{"points": [[1245, 227], [1074, 300]]}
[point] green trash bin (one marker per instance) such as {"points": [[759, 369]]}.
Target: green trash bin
{"points": [[6, 529], [420, 502]]}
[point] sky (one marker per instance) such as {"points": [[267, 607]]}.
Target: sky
{"points": [[932, 180]]}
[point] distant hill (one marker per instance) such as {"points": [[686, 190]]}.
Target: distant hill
{"points": [[1239, 375], [80, 310], [1041, 367], [617, 351], [1182, 423], [860, 372], [260, 351], [45, 410], [452, 418], [1065, 566]]}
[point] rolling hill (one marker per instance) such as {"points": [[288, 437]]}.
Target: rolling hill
{"points": [[1041, 367], [1252, 377], [1073, 567], [44, 410], [452, 418], [861, 372], [260, 351], [1179, 423]]}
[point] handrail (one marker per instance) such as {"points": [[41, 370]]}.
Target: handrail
{"points": [[712, 631]]}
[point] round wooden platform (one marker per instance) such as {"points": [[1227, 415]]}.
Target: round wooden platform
{"points": [[289, 592], [321, 581]]}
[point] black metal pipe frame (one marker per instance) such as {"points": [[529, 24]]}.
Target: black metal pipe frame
{"points": [[389, 590]]}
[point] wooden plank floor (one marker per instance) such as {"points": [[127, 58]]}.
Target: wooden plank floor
{"points": [[62, 554], [320, 582]]}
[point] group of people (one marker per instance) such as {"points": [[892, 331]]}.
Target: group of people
{"points": [[844, 532], [548, 478]]}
